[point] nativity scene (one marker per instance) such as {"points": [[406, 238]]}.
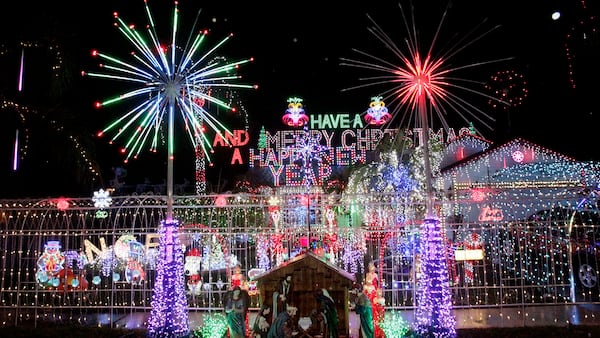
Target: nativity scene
{"points": [[317, 290]]}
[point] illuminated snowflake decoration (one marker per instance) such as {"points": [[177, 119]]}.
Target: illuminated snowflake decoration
{"points": [[102, 199], [518, 156], [308, 153]]}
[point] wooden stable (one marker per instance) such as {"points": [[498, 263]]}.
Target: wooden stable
{"points": [[309, 273]]}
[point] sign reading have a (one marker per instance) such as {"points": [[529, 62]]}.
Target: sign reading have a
{"points": [[335, 121]]}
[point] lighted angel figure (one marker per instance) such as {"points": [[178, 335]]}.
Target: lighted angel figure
{"points": [[377, 114], [294, 115], [237, 278]]}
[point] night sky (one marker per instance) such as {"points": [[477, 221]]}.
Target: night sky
{"points": [[297, 49]]}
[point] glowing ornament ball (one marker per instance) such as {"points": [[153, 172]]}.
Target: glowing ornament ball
{"points": [[168, 81], [96, 280], [62, 204], [123, 245], [220, 201]]}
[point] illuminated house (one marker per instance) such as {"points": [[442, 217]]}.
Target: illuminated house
{"points": [[484, 181]]}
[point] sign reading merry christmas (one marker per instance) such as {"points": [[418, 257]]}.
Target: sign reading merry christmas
{"points": [[346, 142]]}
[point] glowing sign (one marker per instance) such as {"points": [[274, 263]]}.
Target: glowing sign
{"points": [[468, 255], [489, 214], [344, 147], [343, 135]]}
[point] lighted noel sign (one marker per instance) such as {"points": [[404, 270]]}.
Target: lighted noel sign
{"points": [[127, 254], [377, 114]]}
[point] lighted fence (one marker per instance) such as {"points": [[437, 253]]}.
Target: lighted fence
{"points": [[70, 259]]}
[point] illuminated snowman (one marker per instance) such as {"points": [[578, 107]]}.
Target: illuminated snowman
{"points": [[50, 263]]}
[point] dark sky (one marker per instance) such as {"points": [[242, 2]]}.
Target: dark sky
{"points": [[297, 48]]}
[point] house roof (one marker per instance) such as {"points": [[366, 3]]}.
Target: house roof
{"points": [[503, 147], [307, 258], [463, 137], [469, 144]]}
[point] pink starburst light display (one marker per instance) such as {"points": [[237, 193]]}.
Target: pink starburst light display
{"points": [[416, 79]]}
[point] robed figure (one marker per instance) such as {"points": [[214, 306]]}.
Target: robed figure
{"points": [[283, 326], [261, 323], [236, 308], [365, 312], [327, 306]]}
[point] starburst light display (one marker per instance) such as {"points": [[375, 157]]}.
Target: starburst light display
{"points": [[167, 78], [421, 85], [415, 75]]}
